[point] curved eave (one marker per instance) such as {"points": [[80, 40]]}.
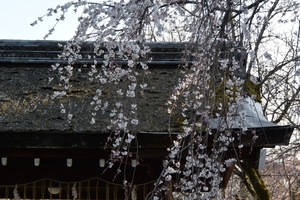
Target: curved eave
{"points": [[267, 137]]}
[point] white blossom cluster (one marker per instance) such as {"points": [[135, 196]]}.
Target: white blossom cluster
{"points": [[121, 54], [16, 193], [201, 174], [74, 191]]}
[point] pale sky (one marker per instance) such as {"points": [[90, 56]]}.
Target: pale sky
{"points": [[17, 15]]}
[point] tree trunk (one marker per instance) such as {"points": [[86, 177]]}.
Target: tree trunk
{"points": [[253, 175]]}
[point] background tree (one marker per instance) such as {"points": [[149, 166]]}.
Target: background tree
{"points": [[282, 175]]}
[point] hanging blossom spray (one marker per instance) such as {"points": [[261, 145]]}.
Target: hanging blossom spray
{"points": [[208, 87]]}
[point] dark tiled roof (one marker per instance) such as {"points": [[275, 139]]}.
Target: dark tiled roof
{"points": [[46, 51]]}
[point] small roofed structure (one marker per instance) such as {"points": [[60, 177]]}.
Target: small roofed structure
{"points": [[269, 133]]}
